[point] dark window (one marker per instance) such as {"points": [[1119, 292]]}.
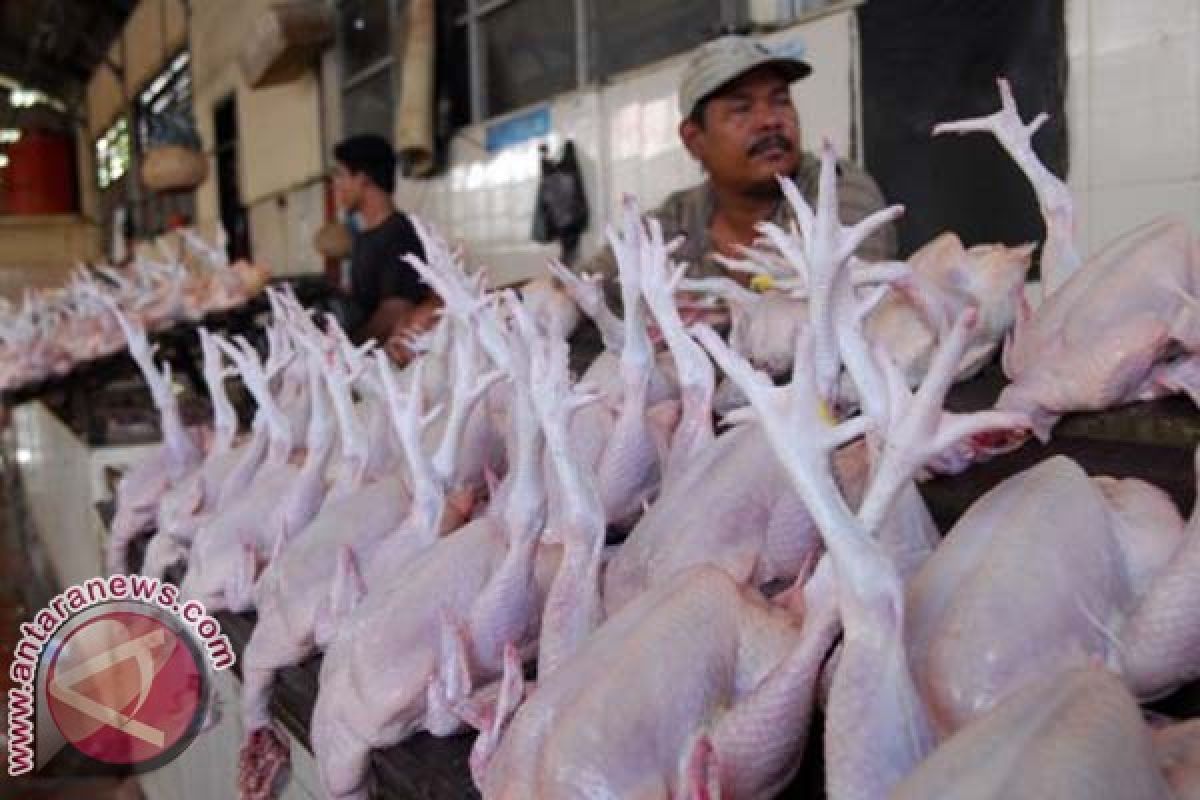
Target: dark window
{"points": [[630, 33], [169, 93], [926, 61], [530, 46], [229, 195], [367, 106], [112, 154], [365, 35]]}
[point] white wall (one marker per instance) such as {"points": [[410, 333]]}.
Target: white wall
{"points": [[1133, 111], [625, 136]]}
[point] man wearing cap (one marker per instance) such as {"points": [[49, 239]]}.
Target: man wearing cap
{"points": [[388, 297], [740, 124]]}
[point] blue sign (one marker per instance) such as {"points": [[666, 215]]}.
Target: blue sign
{"points": [[520, 128]]}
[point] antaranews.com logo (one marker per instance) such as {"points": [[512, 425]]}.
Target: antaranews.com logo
{"points": [[122, 670]]}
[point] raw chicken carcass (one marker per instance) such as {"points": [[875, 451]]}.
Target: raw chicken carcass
{"points": [[234, 543], [938, 283], [303, 597], [693, 433], [1095, 343], [876, 727], [713, 694], [228, 467], [553, 308], [294, 596], [739, 722], [572, 608], [733, 508], [454, 613], [1074, 735], [1098, 571], [755, 529], [616, 434], [143, 486], [56, 329], [946, 279], [1178, 749], [1095, 340], [1060, 257], [627, 465]]}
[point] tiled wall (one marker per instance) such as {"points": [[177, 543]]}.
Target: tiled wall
{"points": [[625, 135], [1133, 109], [63, 479], [55, 469]]}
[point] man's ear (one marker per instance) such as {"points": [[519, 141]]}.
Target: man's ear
{"points": [[692, 136]]}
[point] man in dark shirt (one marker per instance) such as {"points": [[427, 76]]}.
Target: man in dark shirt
{"points": [[389, 296]]}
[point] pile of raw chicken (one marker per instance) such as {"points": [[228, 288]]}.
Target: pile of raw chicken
{"points": [[54, 330], [439, 533]]}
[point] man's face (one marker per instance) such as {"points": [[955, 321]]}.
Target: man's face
{"points": [[348, 187], [750, 133]]}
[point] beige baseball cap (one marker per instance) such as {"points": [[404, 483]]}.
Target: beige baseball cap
{"points": [[718, 62]]}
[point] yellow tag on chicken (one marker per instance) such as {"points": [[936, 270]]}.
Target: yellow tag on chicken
{"points": [[827, 414], [762, 283]]}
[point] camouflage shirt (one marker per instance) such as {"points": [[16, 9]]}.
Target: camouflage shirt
{"points": [[689, 212]]}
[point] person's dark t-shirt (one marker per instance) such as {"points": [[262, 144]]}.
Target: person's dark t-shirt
{"points": [[377, 266]]}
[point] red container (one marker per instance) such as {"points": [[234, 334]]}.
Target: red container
{"points": [[40, 177]]}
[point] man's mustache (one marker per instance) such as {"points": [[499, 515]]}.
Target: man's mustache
{"points": [[768, 142]]}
